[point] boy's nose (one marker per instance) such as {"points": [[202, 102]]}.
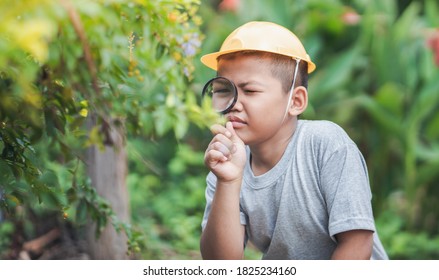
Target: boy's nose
{"points": [[238, 105]]}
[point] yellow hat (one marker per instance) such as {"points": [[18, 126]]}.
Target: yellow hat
{"points": [[261, 36]]}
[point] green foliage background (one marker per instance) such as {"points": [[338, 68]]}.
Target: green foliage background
{"points": [[376, 77]]}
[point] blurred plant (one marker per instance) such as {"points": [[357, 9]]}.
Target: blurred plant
{"points": [[61, 61], [167, 187], [403, 244], [402, 102], [6, 232]]}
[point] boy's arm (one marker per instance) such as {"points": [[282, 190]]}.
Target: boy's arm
{"points": [[223, 236], [353, 245]]}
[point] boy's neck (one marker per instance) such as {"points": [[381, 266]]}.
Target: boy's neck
{"points": [[266, 155]]}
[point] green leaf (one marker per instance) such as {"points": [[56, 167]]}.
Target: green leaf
{"points": [[391, 97], [334, 75], [431, 11], [163, 120], [432, 131], [426, 101], [81, 212], [181, 124], [402, 28], [383, 118]]}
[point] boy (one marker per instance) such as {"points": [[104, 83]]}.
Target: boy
{"points": [[296, 189]]}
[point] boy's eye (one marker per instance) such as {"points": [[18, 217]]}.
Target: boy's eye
{"points": [[222, 91], [251, 90]]}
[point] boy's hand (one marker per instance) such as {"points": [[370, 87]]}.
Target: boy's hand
{"points": [[225, 156]]}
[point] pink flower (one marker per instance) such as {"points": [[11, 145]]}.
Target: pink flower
{"points": [[229, 5], [350, 17], [433, 44]]}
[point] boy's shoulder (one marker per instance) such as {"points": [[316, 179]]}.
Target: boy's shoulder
{"points": [[323, 131], [321, 140]]}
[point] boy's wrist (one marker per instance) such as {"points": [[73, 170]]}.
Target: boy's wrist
{"points": [[230, 182]]}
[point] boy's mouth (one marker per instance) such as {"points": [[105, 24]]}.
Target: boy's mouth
{"points": [[236, 122]]}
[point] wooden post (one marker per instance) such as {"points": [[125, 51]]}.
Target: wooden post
{"points": [[107, 170]]}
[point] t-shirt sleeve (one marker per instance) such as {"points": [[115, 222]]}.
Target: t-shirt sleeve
{"points": [[346, 190], [209, 193]]}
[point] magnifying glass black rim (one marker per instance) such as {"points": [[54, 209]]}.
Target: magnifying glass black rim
{"points": [[235, 97]]}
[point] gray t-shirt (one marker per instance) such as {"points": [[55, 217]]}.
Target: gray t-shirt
{"points": [[319, 188]]}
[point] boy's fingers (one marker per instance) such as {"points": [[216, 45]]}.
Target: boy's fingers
{"points": [[222, 148], [213, 156], [229, 132], [234, 137], [219, 129], [221, 139]]}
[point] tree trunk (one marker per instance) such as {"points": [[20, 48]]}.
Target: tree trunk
{"points": [[107, 170]]}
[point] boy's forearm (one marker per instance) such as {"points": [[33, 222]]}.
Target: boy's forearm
{"points": [[223, 236]]}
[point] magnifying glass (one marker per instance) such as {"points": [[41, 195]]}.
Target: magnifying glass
{"points": [[222, 94]]}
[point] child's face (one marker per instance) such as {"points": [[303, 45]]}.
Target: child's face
{"points": [[258, 114]]}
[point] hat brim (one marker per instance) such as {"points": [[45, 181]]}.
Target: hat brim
{"points": [[211, 59]]}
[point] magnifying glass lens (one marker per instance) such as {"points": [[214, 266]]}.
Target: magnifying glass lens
{"points": [[222, 94]]}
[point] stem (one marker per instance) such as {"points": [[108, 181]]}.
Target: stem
{"points": [[79, 29]]}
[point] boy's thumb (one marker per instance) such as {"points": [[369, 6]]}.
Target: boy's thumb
{"points": [[235, 137]]}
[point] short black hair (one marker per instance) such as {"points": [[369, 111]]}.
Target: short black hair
{"points": [[282, 67]]}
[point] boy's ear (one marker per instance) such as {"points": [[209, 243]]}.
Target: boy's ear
{"points": [[299, 102]]}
